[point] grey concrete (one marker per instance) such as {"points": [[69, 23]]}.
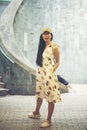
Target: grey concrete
{"points": [[70, 114], [15, 78], [9, 44]]}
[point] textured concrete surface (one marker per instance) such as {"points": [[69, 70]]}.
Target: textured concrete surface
{"points": [[70, 114], [9, 45]]}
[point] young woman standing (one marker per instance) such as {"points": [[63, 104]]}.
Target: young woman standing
{"points": [[47, 87]]}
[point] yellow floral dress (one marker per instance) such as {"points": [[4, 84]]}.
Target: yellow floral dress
{"points": [[46, 82]]}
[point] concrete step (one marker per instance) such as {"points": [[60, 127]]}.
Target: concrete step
{"points": [[3, 91], [2, 85]]}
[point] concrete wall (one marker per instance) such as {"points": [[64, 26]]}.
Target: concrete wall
{"points": [[17, 80], [68, 20]]}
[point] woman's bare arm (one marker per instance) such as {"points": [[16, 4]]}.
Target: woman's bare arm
{"points": [[57, 57]]}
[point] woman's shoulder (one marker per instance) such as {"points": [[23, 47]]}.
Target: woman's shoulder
{"points": [[54, 45]]}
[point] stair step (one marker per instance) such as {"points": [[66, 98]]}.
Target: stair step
{"points": [[3, 91], [2, 84]]}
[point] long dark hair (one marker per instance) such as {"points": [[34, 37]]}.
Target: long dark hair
{"points": [[41, 48]]}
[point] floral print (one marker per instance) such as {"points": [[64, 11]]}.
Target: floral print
{"points": [[46, 82]]}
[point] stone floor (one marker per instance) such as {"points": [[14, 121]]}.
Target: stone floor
{"points": [[70, 114]]}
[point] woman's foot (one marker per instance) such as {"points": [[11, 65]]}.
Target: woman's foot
{"points": [[34, 116], [45, 124]]}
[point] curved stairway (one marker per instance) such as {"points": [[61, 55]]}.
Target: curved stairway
{"points": [[3, 90], [9, 44]]}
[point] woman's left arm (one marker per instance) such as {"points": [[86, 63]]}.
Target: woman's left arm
{"points": [[57, 57]]}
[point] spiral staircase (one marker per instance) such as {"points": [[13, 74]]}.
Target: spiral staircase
{"points": [[8, 43]]}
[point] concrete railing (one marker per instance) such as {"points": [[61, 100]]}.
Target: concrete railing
{"points": [[9, 44]]}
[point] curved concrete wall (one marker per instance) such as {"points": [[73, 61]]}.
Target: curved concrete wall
{"points": [[9, 44], [17, 80]]}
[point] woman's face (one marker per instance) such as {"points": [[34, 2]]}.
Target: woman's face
{"points": [[46, 36]]}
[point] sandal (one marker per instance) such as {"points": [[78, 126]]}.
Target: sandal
{"points": [[32, 115], [45, 124]]}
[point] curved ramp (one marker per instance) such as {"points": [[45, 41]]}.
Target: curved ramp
{"points": [[9, 44]]}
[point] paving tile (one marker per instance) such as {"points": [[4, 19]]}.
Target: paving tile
{"points": [[70, 114]]}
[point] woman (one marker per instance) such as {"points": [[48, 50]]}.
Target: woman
{"points": [[46, 80]]}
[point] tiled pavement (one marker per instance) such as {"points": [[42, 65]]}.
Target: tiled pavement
{"points": [[70, 114]]}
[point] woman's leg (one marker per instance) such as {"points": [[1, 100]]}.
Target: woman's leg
{"points": [[50, 110], [38, 106]]}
